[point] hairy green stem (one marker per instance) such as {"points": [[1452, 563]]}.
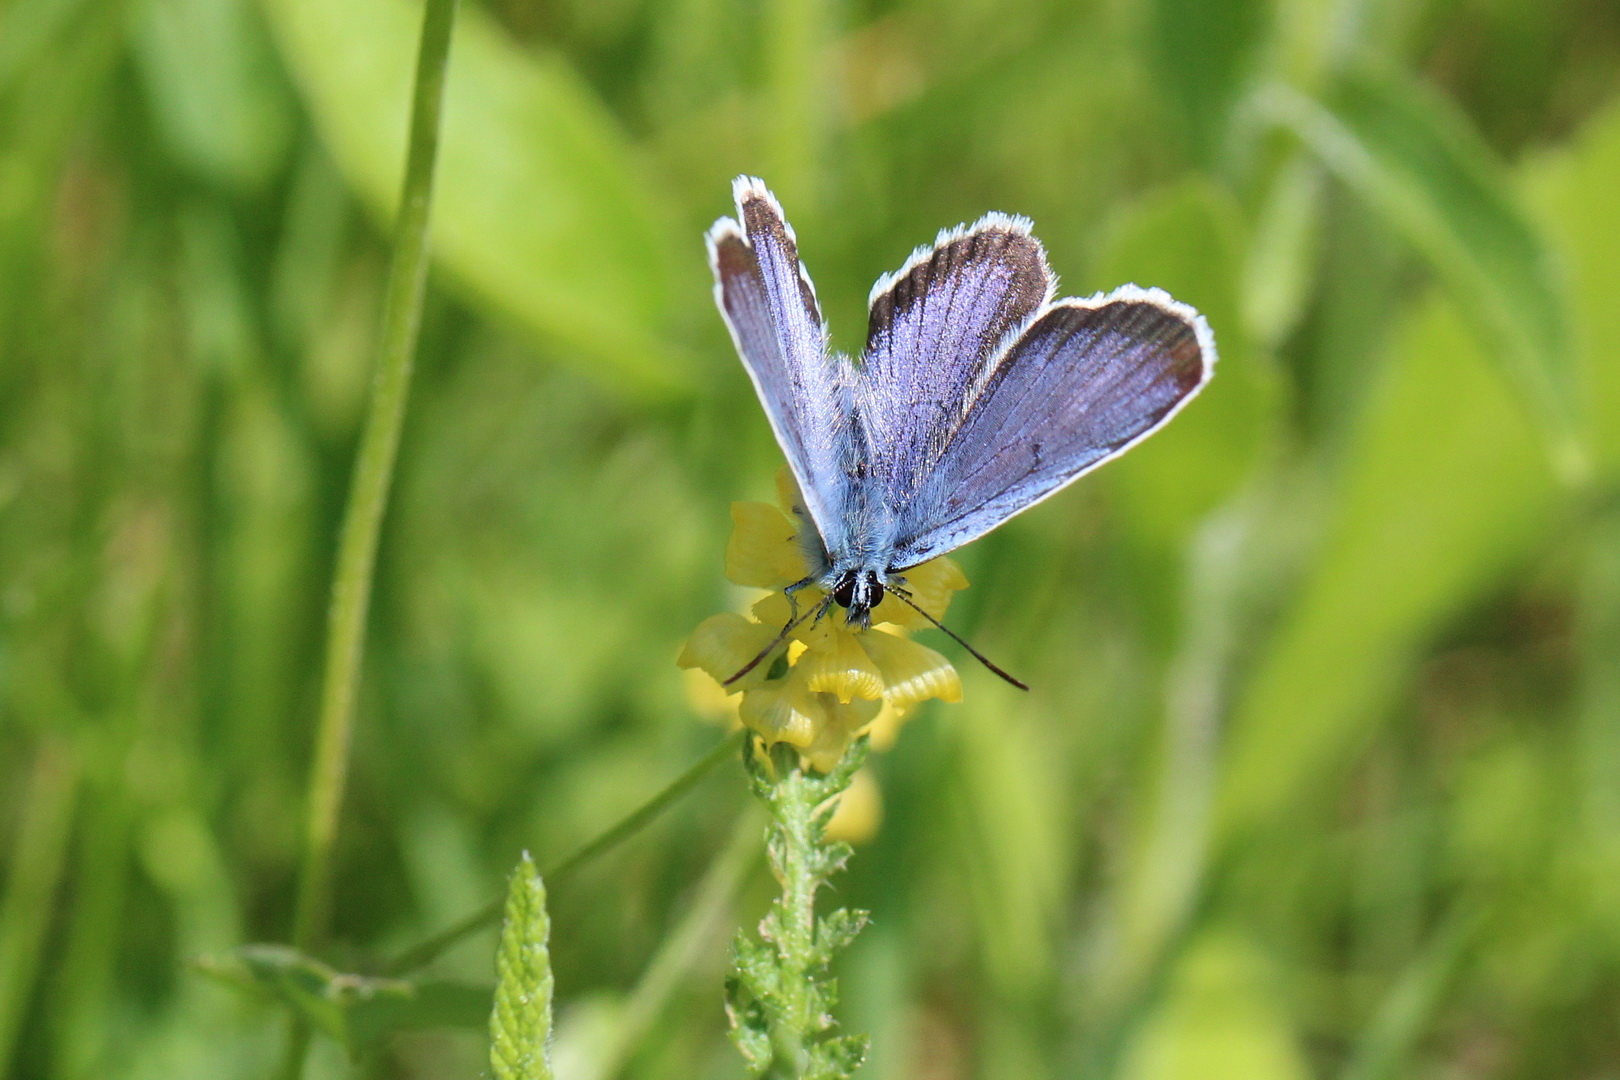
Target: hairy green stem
{"points": [[795, 929], [488, 915], [780, 996]]}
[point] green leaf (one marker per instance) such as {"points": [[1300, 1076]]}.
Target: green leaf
{"points": [[750, 1031], [217, 100], [520, 1024], [540, 208], [1417, 161], [1445, 488], [1572, 192], [755, 965], [839, 1056], [1202, 52], [1220, 1020], [1188, 240], [356, 1010], [835, 931]]}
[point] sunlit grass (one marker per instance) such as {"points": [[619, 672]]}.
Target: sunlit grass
{"points": [[1320, 774]]}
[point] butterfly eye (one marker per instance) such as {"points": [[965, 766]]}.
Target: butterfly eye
{"points": [[874, 590], [844, 593]]}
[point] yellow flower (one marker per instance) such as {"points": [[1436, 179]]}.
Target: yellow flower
{"points": [[859, 812], [830, 681]]}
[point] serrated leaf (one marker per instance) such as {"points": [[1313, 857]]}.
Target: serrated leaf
{"points": [[776, 854], [540, 208], [835, 931], [750, 1031], [754, 1044], [848, 765], [1417, 161], [824, 817], [830, 859], [839, 1056], [520, 1022], [823, 997], [756, 968]]}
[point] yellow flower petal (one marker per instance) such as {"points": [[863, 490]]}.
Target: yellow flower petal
{"points": [[775, 611], [788, 496], [709, 699], [831, 681], [723, 643], [911, 672], [838, 728], [782, 710], [931, 586], [885, 727], [860, 810], [834, 663], [762, 552]]}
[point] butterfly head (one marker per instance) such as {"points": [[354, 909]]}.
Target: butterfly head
{"points": [[858, 591]]}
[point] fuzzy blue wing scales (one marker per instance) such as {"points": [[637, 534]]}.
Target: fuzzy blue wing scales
{"points": [[936, 328], [1085, 382], [770, 307]]}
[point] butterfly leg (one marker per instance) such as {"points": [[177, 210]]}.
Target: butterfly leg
{"points": [[793, 601], [814, 613]]}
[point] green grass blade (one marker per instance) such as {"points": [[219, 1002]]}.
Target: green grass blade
{"points": [[702, 928], [37, 860], [373, 476], [1571, 190], [426, 951], [1417, 537], [1421, 165], [540, 211]]}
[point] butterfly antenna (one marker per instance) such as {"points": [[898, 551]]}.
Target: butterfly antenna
{"points": [[905, 597], [814, 613]]}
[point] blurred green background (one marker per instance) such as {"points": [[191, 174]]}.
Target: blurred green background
{"points": [[1320, 776]]}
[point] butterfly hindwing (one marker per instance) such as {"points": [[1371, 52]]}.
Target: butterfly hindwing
{"points": [[1085, 381]]}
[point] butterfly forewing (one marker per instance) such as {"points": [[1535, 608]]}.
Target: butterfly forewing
{"points": [[770, 307], [936, 326], [1085, 381]]}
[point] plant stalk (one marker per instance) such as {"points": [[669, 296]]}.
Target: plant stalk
{"points": [[373, 473], [799, 836], [780, 995], [427, 951], [368, 498]]}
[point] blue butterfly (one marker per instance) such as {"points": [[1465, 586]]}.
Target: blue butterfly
{"points": [[977, 396]]}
